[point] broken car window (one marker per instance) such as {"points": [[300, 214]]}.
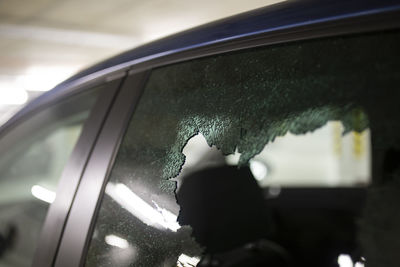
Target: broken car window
{"points": [[248, 108]]}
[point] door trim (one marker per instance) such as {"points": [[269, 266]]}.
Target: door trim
{"points": [[81, 218], [58, 212]]}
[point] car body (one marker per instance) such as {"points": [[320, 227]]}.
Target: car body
{"points": [[70, 221]]}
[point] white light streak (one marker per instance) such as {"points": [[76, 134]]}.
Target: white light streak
{"points": [[116, 241], [187, 261], [159, 218], [43, 194]]}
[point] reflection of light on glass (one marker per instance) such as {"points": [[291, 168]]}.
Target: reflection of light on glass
{"points": [[11, 95], [168, 217], [345, 261], [116, 241], [186, 261], [258, 169], [43, 194], [142, 210], [359, 264]]}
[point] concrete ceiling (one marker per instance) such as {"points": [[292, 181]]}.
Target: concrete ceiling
{"points": [[43, 42]]}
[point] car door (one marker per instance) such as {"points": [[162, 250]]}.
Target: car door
{"points": [[132, 207]]}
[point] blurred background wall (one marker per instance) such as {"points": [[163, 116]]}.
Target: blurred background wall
{"points": [[43, 42]]}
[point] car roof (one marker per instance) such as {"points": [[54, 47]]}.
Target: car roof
{"points": [[284, 15], [278, 16]]}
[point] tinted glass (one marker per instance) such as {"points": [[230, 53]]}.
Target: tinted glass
{"points": [[303, 114], [35, 153]]}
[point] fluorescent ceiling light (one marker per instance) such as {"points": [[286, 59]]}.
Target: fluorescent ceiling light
{"points": [[159, 218], [44, 78], [43, 194], [10, 94], [68, 37], [116, 241]]}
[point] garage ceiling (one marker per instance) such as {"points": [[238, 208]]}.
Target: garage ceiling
{"points": [[43, 42]]}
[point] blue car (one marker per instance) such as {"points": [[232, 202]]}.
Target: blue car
{"points": [[270, 138]]}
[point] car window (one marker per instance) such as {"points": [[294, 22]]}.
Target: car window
{"points": [[33, 158], [260, 157]]}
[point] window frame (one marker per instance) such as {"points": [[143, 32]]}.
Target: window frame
{"points": [[16, 129], [80, 224], [96, 171]]}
